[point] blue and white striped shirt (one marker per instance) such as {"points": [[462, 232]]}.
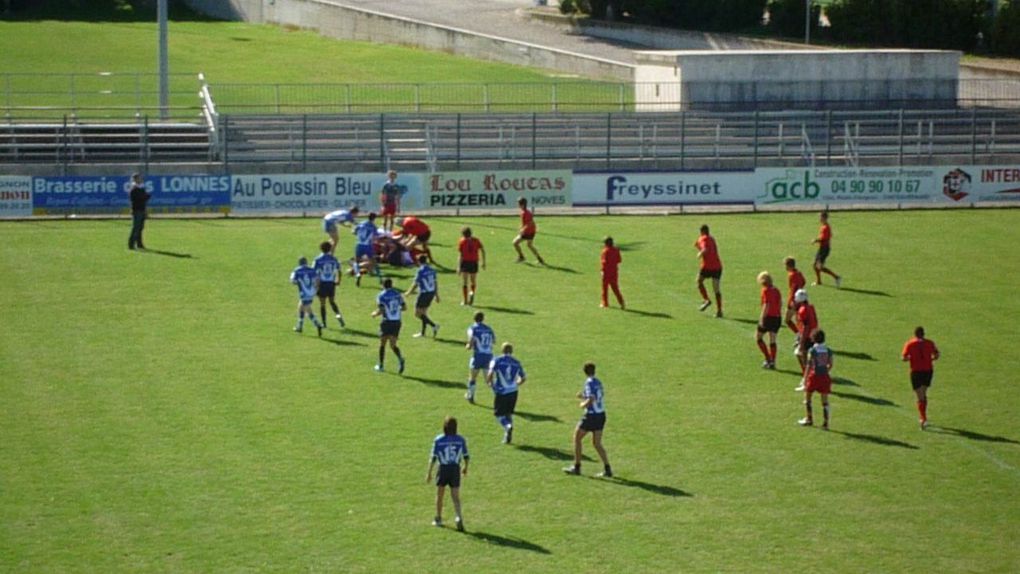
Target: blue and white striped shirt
{"points": [[425, 279], [507, 372], [593, 390], [304, 277]]}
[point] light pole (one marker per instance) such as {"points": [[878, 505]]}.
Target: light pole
{"points": [[807, 21], [164, 63]]}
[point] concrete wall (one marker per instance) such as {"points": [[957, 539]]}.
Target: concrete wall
{"points": [[735, 78], [337, 20]]}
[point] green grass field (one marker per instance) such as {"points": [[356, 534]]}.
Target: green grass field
{"points": [[159, 414]]}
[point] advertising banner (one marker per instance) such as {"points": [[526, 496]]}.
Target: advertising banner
{"points": [[778, 186], [314, 193], [15, 196], [109, 195], [496, 189], [978, 184], [674, 188]]}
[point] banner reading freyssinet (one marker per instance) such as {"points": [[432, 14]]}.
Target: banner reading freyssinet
{"points": [[672, 188], [317, 192], [496, 189], [15, 196], [110, 194]]}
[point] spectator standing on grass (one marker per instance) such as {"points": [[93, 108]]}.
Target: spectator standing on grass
{"points": [[450, 451], [389, 200], [921, 353], [139, 201]]}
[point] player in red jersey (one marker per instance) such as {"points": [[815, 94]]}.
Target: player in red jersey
{"points": [[795, 281], [819, 363], [921, 353], [711, 267], [527, 232], [414, 236], [770, 320], [807, 322], [611, 260], [470, 249], [823, 240]]}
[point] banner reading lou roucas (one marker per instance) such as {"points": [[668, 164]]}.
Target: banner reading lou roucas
{"points": [[496, 189], [15, 196], [317, 192]]}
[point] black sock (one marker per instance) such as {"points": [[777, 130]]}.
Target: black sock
{"points": [[425, 319], [424, 322], [382, 355], [396, 351], [336, 309]]}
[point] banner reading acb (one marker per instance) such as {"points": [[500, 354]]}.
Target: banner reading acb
{"points": [[496, 189]]}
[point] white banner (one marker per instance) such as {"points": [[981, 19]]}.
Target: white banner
{"points": [[778, 186], [675, 188], [977, 184], [15, 196], [496, 189], [313, 193]]}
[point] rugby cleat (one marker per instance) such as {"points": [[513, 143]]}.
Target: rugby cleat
{"points": [[340, 318], [400, 369], [435, 330], [805, 422], [574, 470], [437, 521], [705, 305], [460, 524], [839, 282], [378, 368]]}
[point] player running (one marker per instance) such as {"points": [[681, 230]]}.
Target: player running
{"points": [[364, 250], [389, 199], [594, 421], [390, 304], [611, 259], [328, 270], [505, 376], [426, 284], [921, 353], [795, 281], [480, 341], [449, 450], [770, 320], [807, 324], [470, 249], [527, 232], [333, 219], [823, 240], [711, 268], [307, 282], [819, 362]]}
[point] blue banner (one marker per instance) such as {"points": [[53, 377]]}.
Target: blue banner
{"points": [[110, 195]]}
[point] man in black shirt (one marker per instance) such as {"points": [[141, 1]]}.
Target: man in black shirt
{"points": [[139, 199]]}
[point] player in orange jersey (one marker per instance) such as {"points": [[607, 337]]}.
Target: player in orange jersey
{"points": [[770, 320], [807, 321], [611, 260], [795, 281], [823, 240], [710, 268], [921, 353], [527, 232], [471, 251]]}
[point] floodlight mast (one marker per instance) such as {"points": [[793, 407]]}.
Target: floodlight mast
{"points": [[807, 21], [164, 63]]}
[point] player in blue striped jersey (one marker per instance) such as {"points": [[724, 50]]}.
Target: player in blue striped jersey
{"points": [[480, 341], [427, 285], [449, 450], [594, 421], [328, 269], [364, 249], [505, 376], [307, 282], [390, 304], [333, 219]]}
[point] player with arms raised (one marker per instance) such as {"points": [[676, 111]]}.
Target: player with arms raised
{"points": [[307, 282], [450, 451], [710, 268], [390, 304], [921, 353], [479, 342], [505, 376]]}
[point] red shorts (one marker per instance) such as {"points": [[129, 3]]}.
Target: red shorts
{"points": [[389, 209], [819, 384]]}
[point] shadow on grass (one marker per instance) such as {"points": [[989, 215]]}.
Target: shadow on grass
{"points": [[660, 489], [744, 321], [538, 418], [507, 542], [510, 310], [168, 253], [866, 292], [342, 342], [652, 314], [790, 372], [449, 341], [364, 334], [550, 453], [844, 381], [852, 355], [631, 246], [435, 382], [865, 399], [972, 435], [561, 269], [875, 439]]}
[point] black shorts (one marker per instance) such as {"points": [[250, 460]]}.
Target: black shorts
{"points": [[527, 236], [448, 475], [504, 405], [327, 290], [389, 329], [424, 300], [424, 237], [592, 422], [822, 255], [920, 379], [771, 325], [710, 273], [469, 267]]}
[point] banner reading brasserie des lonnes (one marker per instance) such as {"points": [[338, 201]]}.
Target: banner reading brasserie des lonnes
{"points": [[663, 188], [15, 196], [317, 192], [110, 194], [496, 189]]}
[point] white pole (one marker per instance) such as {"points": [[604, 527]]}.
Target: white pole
{"points": [[807, 21], [164, 65]]}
